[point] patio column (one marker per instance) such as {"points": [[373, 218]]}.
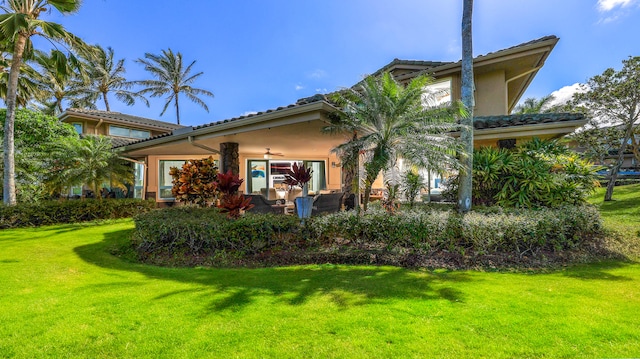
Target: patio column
{"points": [[229, 158]]}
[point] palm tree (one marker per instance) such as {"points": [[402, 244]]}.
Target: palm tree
{"points": [[171, 79], [18, 24], [91, 161], [106, 75], [58, 82], [391, 121], [28, 86], [533, 105], [466, 134]]}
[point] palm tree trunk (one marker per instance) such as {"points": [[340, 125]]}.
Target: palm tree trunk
{"points": [[106, 102], [9, 185], [466, 135], [177, 110]]}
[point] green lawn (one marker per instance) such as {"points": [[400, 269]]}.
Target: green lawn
{"points": [[622, 215], [62, 294]]}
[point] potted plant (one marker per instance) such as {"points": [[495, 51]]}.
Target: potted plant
{"points": [[300, 176]]}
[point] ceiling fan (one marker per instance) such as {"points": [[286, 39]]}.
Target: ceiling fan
{"points": [[270, 154]]}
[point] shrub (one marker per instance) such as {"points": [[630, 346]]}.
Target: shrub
{"points": [[536, 174], [205, 231], [190, 235], [516, 231], [61, 212], [195, 183]]}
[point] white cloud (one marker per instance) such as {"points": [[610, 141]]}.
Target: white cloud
{"points": [[299, 87], [249, 113], [317, 74], [563, 95], [608, 5], [321, 90]]}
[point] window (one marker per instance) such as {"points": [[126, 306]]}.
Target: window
{"points": [[78, 127], [271, 174], [128, 132], [257, 174], [138, 181], [164, 179], [318, 179]]}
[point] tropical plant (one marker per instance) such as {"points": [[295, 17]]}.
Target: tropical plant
{"points": [[91, 161], [539, 173], [392, 120], [466, 133], [231, 202], [299, 176], [228, 183], [412, 184], [196, 182], [171, 79], [390, 200], [613, 98], [20, 21], [105, 76]]}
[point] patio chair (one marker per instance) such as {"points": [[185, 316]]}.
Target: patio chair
{"points": [[262, 205], [269, 193], [293, 194], [327, 203]]}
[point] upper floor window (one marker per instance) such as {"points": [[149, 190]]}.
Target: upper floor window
{"points": [[437, 93], [78, 127], [128, 132]]}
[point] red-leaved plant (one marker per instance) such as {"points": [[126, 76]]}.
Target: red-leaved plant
{"points": [[234, 205], [231, 202], [228, 183], [298, 176]]}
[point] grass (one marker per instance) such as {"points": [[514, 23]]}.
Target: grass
{"points": [[63, 294], [622, 215]]}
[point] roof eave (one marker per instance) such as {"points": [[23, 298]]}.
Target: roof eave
{"points": [[219, 127], [66, 114]]}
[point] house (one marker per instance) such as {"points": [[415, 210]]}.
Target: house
{"points": [[261, 146], [122, 129]]}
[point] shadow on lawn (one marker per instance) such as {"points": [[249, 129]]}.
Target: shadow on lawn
{"points": [[232, 289]]}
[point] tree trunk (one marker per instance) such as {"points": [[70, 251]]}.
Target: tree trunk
{"points": [[106, 102], [367, 193], [613, 174], [9, 185], [177, 110], [429, 186], [466, 135]]}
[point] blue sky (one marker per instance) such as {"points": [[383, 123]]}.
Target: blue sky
{"points": [[262, 54]]}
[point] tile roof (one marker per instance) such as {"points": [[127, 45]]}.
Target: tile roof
{"points": [[487, 122], [120, 141], [396, 61], [124, 118], [524, 44], [300, 102]]}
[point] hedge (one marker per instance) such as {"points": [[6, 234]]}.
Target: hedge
{"points": [[204, 231], [489, 231], [188, 235], [70, 211]]}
